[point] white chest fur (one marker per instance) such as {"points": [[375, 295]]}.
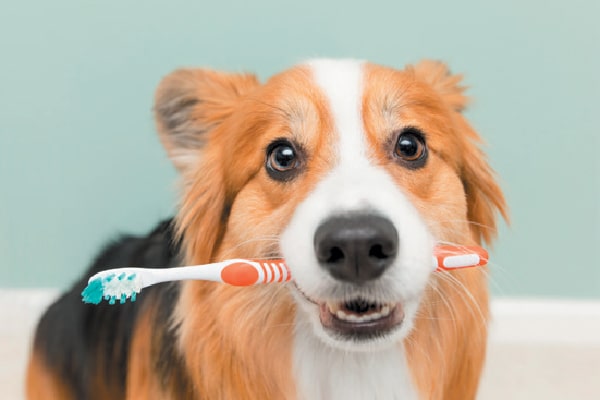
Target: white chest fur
{"points": [[325, 373]]}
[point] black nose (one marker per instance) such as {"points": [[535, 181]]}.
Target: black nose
{"points": [[356, 248]]}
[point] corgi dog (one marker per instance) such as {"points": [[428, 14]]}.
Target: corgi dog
{"points": [[352, 173]]}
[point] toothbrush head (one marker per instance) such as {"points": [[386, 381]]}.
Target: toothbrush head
{"points": [[112, 287]]}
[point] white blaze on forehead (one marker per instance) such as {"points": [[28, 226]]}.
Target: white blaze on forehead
{"points": [[341, 81]]}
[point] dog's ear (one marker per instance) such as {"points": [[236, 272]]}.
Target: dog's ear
{"points": [[484, 196], [438, 76], [189, 103]]}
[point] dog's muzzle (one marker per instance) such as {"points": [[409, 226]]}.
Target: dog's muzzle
{"points": [[357, 250]]}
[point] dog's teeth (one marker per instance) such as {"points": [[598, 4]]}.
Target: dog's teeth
{"points": [[347, 317], [334, 308], [352, 318], [373, 316], [385, 311], [341, 313]]}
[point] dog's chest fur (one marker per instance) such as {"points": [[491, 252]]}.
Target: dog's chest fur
{"points": [[324, 373]]}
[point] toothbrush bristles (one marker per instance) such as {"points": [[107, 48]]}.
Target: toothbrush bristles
{"points": [[112, 288], [93, 292]]}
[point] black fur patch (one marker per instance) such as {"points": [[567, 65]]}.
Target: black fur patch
{"points": [[176, 112], [169, 365], [83, 343]]}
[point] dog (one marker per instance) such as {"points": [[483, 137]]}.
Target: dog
{"points": [[351, 172]]}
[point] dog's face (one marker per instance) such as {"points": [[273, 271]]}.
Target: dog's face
{"points": [[350, 171]]}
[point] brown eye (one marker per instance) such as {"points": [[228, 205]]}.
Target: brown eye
{"points": [[282, 160], [410, 148]]}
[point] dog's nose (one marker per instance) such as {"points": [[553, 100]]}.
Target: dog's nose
{"points": [[356, 248]]}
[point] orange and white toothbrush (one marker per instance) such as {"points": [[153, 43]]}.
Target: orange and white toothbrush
{"points": [[121, 284]]}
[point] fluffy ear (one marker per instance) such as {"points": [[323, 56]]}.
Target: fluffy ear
{"points": [[438, 76], [189, 103], [484, 196]]}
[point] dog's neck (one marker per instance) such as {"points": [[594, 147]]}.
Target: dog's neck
{"points": [[325, 373]]}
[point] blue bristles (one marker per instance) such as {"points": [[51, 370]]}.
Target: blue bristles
{"points": [[93, 292], [111, 288]]}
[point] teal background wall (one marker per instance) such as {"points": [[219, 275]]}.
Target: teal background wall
{"points": [[80, 161]]}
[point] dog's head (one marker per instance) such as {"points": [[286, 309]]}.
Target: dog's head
{"points": [[350, 171]]}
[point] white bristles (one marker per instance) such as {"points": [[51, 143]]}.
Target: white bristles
{"points": [[127, 285]]}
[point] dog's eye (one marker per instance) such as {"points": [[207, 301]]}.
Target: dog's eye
{"points": [[410, 148], [282, 160]]}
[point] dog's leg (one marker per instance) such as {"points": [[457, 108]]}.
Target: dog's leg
{"points": [[42, 384]]}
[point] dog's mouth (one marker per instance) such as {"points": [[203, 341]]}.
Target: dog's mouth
{"points": [[360, 319]]}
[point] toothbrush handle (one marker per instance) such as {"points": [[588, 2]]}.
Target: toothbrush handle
{"points": [[236, 272], [250, 272], [447, 258]]}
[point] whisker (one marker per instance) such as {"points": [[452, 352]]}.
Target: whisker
{"points": [[254, 240], [474, 305], [449, 307], [462, 221]]}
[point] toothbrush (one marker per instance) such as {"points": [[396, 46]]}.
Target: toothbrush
{"points": [[125, 283], [122, 283]]}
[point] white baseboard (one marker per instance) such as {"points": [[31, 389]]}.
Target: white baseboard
{"points": [[545, 321]]}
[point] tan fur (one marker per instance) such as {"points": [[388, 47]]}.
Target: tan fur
{"points": [[41, 383], [247, 359], [142, 383]]}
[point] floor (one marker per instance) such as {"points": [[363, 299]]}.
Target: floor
{"points": [[538, 349]]}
